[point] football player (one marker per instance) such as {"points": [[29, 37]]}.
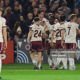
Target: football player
{"points": [[59, 33], [46, 45], [3, 37], [36, 40], [70, 39]]}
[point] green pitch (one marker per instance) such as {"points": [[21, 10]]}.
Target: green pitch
{"points": [[26, 72]]}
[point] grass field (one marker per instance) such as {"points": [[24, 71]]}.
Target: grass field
{"points": [[26, 72]]}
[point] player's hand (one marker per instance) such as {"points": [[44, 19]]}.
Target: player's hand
{"points": [[52, 44], [63, 43], [28, 41]]}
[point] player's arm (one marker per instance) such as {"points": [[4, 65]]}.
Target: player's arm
{"points": [[5, 36], [29, 36], [46, 31], [63, 37], [52, 38], [45, 28], [63, 33]]}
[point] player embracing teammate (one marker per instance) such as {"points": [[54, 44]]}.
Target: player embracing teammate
{"points": [[60, 35], [66, 39], [58, 32]]}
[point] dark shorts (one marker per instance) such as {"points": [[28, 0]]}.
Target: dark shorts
{"points": [[71, 46], [44, 43], [47, 45], [37, 46], [58, 44], [1, 47]]}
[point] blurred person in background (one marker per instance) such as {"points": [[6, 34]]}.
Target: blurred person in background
{"points": [[43, 7], [76, 11], [2, 4], [7, 3], [35, 12], [8, 15], [54, 6], [29, 19], [19, 33], [21, 26], [66, 10]]}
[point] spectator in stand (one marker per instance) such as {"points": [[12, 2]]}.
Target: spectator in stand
{"points": [[54, 6], [29, 20], [35, 12], [7, 14], [19, 33], [2, 4], [33, 5], [7, 3], [66, 10], [77, 3], [76, 11]]}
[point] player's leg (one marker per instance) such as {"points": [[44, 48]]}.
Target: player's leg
{"points": [[50, 61], [64, 61], [64, 57], [48, 54], [1, 47], [32, 53], [39, 51], [0, 63], [71, 62], [54, 57], [59, 59], [39, 60], [71, 58]]}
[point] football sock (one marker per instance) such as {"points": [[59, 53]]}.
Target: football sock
{"points": [[71, 64], [54, 60], [49, 61], [64, 61], [34, 62], [39, 66]]}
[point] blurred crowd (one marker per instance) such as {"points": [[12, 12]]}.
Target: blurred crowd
{"points": [[20, 13]]}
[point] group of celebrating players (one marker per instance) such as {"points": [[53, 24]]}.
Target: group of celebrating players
{"points": [[53, 34], [47, 34]]}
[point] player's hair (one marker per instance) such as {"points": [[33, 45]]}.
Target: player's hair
{"points": [[36, 19], [40, 11], [62, 18], [72, 16]]}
